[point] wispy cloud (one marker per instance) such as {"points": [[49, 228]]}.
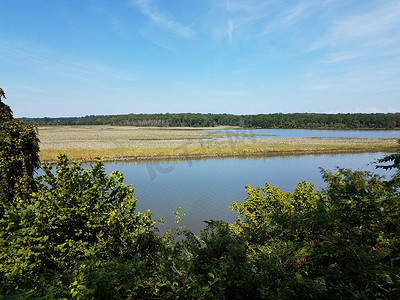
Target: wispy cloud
{"points": [[249, 7], [230, 29], [335, 57], [163, 19], [228, 4], [40, 59], [369, 25], [295, 14], [157, 41], [114, 22], [317, 87], [235, 20], [27, 88], [289, 17], [372, 33], [359, 58], [357, 80]]}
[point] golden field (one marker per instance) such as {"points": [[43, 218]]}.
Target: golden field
{"points": [[134, 143]]}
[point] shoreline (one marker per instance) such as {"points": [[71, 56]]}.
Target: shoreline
{"points": [[215, 156]]}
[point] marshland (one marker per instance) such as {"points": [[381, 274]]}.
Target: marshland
{"points": [[138, 143]]}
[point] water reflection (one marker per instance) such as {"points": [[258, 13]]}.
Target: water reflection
{"points": [[205, 188], [303, 133]]}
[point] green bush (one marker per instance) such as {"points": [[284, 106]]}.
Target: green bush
{"points": [[341, 243], [78, 221]]}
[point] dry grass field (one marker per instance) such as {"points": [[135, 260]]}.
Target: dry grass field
{"points": [[130, 143]]}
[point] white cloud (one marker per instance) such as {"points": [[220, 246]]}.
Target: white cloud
{"points": [[290, 17], [42, 59], [369, 34], [163, 19], [156, 41], [373, 110], [230, 29], [335, 57], [296, 14], [228, 5], [242, 16], [357, 60], [369, 25], [27, 88], [317, 87]]}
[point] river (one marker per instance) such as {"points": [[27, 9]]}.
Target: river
{"points": [[205, 188], [324, 133]]}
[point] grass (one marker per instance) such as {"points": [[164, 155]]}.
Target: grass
{"points": [[130, 143]]}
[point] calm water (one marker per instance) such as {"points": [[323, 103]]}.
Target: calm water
{"points": [[204, 188], [299, 133]]}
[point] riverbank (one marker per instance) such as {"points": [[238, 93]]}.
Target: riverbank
{"points": [[113, 143]]}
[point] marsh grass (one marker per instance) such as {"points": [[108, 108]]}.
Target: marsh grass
{"points": [[132, 143]]}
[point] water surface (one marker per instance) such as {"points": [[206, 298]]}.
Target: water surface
{"points": [[324, 133], [205, 188]]}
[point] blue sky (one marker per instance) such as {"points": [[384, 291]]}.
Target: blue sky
{"points": [[76, 58]]}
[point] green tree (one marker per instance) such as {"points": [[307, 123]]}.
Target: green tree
{"points": [[394, 159], [19, 148], [71, 232], [389, 162], [2, 94], [79, 224]]}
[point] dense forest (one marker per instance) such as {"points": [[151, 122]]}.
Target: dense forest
{"points": [[74, 233], [276, 120]]}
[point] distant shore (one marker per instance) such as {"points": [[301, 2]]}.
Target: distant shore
{"points": [[125, 143]]}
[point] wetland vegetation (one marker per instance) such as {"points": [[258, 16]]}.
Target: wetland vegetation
{"points": [[130, 143]]}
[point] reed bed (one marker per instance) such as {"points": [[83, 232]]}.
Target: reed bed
{"points": [[133, 143]]}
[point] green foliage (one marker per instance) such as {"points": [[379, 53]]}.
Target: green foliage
{"points": [[80, 238], [78, 223], [19, 147], [343, 242], [283, 213], [220, 269], [389, 162]]}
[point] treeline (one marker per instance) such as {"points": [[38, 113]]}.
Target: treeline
{"points": [[275, 120]]}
